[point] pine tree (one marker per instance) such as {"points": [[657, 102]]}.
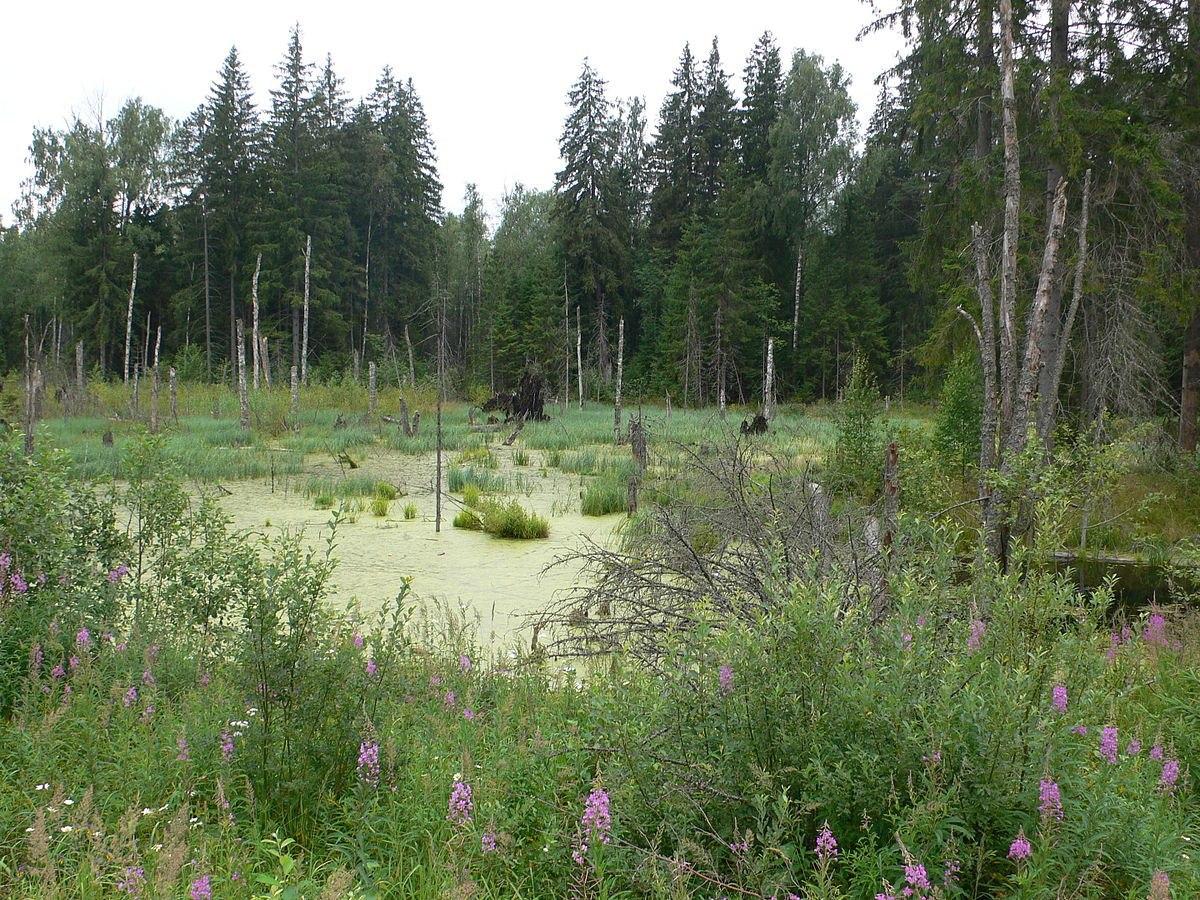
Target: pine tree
{"points": [[587, 207], [229, 166], [676, 157], [715, 131]]}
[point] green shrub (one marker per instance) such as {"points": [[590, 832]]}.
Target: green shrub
{"points": [[468, 519], [324, 501], [379, 506], [511, 520], [472, 495], [858, 452], [956, 425], [410, 511], [386, 490], [520, 457]]}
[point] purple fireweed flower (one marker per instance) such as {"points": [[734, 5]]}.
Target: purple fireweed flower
{"points": [[468, 714], [435, 680], [83, 638], [226, 746], [725, 679], [464, 663], [906, 640], [488, 842], [916, 876], [1160, 886], [450, 700], [121, 647], [184, 752], [975, 640], [148, 713], [371, 667], [1108, 743], [1133, 748], [36, 656], [358, 640], [19, 584], [885, 896], [740, 848], [205, 679], [827, 846], [115, 575], [1080, 730], [933, 758], [202, 888], [1058, 697], [1156, 752], [1155, 631], [1170, 774], [134, 880], [148, 678], [73, 663], [5, 561], [461, 805], [920, 621], [131, 696], [1050, 800], [597, 816], [58, 672], [1020, 848], [368, 762]]}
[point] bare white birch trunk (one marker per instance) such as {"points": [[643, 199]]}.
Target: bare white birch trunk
{"points": [[173, 378], [254, 318], [243, 397], [412, 370], [373, 396], [579, 355], [620, 375], [295, 407], [129, 316], [768, 402], [304, 336]]}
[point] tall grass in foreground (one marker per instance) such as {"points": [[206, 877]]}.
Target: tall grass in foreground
{"points": [[212, 727]]}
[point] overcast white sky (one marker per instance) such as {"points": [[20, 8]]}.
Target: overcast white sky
{"points": [[493, 76]]}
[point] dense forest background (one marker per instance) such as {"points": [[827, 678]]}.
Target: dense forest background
{"points": [[719, 223]]}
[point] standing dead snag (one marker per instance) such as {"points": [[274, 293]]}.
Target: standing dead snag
{"points": [[579, 356], [254, 337], [372, 394], [129, 316], [154, 400], [620, 373], [294, 409], [768, 402], [80, 385], [243, 398], [304, 338], [1010, 389], [174, 388]]}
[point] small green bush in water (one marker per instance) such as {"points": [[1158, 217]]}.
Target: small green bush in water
{"points": [[410, 511], [379, 506], [603, 497]]}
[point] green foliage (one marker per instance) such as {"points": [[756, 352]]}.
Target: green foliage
{"points": [[268, 742], [858, 453], [379, 506], [410, 511], [956, 425], [602, 497]]}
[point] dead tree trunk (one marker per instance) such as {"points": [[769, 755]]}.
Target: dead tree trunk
{"points": [[1053, 366], [720, 361], [254, 337], [157, 344], [30, 417], [135, 401], [129, 316], [173, 378], [620, 374], [265, 360], [154, 400], [566, 346], [207, 295], [412, 370], [373, 396], [1010, 391], [891, 495], [304, 333], [768, 401], [796, 293], [405, 425], [637, 443], [294, 409], [579, 355], [441, 386], [243, 396], [80, 384]]}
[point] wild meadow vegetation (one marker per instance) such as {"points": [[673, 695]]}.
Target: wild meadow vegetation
{"points": [[866, 461], [188, 711]]}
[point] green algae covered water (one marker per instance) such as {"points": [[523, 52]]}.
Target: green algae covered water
{"points": [[499, 580]]}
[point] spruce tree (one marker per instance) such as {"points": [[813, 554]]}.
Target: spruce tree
{"points": [[676, 157]]}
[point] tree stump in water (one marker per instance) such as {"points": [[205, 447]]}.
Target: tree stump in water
{"points": [[527, 402], [757, 425], [637, 443]]}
